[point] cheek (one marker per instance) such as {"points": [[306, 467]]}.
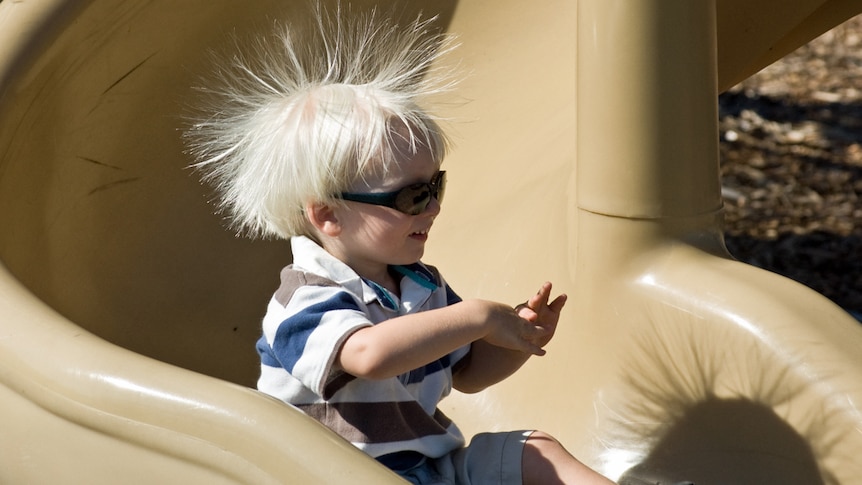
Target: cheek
{"points": [[376, 224], [390, 230], [377, 227], [385, 219]]}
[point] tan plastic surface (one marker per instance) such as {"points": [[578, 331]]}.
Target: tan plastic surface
{"points": [[671, 357]]}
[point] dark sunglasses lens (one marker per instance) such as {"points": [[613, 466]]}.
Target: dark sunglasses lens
{"points": [[440, 185], [413, 200]]}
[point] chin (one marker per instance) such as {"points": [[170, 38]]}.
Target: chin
{"points": [[412, 257]]}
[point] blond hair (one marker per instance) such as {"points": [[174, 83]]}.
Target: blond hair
{"points": [[306, 112]]}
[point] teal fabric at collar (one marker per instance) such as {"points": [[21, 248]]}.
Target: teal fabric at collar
{"points": [[420, 277]]}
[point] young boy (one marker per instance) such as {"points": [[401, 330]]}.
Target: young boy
{"points": [[331, 149]]}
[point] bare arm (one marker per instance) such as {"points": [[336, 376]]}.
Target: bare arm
{"points": [[490, 364], [402, 344]]}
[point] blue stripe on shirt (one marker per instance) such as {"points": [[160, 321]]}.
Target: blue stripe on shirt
{"points": [[418, 375], [292, 335], [267, 357], [451, 297]]}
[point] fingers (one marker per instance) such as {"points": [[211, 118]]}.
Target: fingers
{"points": [[531, 341], [526, 313], [541, 315], [528, 337], [538, 301], [538, 351], [559, 302]]}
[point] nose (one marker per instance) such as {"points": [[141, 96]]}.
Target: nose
{"points": [[433, 207]]}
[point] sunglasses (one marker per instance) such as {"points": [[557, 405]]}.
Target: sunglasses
{"points": [[412, 200]]}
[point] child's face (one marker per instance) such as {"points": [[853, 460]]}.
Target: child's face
{"points": [[374, 237]]}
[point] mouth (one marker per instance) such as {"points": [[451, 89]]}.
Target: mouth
{"points": [[420, 234]]}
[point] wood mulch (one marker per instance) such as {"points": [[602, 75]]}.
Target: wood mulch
{"points": [[791, 165]]}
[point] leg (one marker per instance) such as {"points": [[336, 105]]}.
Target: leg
{"points": [[546, 462]]}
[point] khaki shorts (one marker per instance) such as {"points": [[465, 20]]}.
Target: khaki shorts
{"points": [[489, 459]]}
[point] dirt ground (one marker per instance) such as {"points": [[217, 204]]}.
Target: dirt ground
{"points": [[791, 164]]}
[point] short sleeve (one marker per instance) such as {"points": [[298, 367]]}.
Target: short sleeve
{"points": [[305, 335]]}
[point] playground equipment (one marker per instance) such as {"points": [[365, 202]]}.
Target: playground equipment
{"points": [[128, 315]]}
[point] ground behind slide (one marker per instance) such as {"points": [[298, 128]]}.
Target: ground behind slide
{"points": [[791, 165]]}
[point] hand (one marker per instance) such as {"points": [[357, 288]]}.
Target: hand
{"points": [[506, 329], [543, 314]]}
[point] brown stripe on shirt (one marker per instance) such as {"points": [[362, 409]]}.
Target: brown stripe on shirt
{"points": [[378, 422], [292, 280], [336, 384]]}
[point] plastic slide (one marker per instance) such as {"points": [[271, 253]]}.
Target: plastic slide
{"points": [[586, 155]]}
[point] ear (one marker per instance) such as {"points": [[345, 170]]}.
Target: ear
{"points": [[323, 218]]}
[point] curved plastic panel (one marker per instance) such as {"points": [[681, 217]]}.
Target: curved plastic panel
{"points": [[752, 35], [83, 411], [672, 363]]}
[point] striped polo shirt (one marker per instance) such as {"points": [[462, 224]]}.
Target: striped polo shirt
{"points": [[320, 302]]}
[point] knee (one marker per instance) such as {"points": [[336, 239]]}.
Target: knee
{"points": [[542, 452], [539, 440], [545, 461]]}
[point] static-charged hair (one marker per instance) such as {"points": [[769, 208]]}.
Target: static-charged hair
{"points": [[301, 115]]}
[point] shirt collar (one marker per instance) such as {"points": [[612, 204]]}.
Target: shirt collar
{"points": [[416, 287], [310, 256]]}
